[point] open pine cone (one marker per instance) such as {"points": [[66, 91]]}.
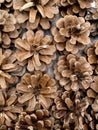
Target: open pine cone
{"points": [[40, 11], [9, 109], [70, 108], [38, 120], [8, 28], [93, 90], [36, 89], [7, 66], [77, 7], [71, 33], [92, 17], [73, 72], [92, 111], [84, 8], [92, 54], [36, 49]]}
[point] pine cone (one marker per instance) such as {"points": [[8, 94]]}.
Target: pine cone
{"points": [[91, 115], [73, 72], [8, 65], [36, 10], [36, 89], [70, 108], [8, 28], [84, 8], [77, 7], [36, 49], [38, 120], [92, 54], [7, 21], [92, 17], [9, 109], [92, 92], [71, 33]]}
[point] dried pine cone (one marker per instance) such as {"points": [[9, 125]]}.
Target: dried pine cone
{"points": [[70, 108], [71, 33], [9, 62], [73, 72], [91, 115], [36, 89], [7, 66], [85, 8], [36, 49], [78, 7], [37, 11], [8, 28], [92, 111], [92, 17], [92, 54], [9, 109], [40, 119]]}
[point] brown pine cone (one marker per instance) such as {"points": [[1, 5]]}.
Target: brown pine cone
{"points": [[9, 109], [70, 108], [84, 8], [92, 54], [40, 119], [36, 49], [8, 28], [78, 7], [36, 11], [71, 33], [92, 92], [94, 112], [8, 65], [73, 72], [36, 89], [92, 17], [91, 115]]}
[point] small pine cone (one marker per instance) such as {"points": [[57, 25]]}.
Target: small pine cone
{"points": [[92, 17], [71, 33], [8, 64], [36, 49], [70, 108], [73, 72], [40, 119], [37, 89], [8, 29], [92, 112], [7, 21], [91, 115], [84, 8], [9, 109], [92, 92], [92, 54], [40, 11], [77, 7]]}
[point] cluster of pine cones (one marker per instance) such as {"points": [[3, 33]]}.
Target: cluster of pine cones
{"points": [[48, 65]]}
